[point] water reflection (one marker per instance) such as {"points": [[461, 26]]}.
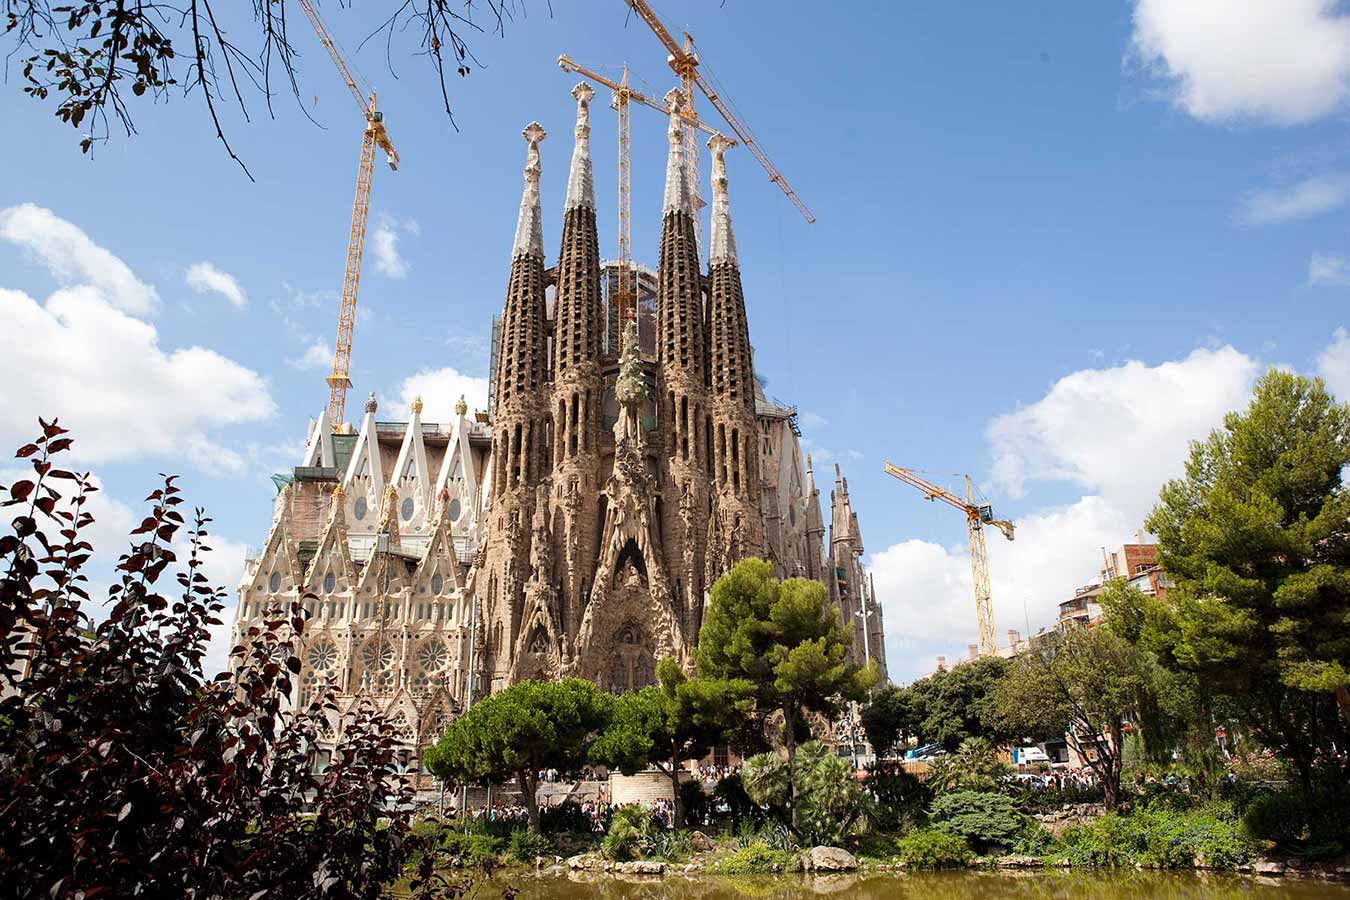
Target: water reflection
{"points": [[1028, 885]]}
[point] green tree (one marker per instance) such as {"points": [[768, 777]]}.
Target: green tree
{"points": [[787, 643], [957, 703], [1085, 685], [521, 730], [674, 720], [820, 791], [1255, 536], [889, 719], [974, 766]]}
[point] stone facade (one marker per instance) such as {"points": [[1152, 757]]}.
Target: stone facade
{"points": [[577, 529]]}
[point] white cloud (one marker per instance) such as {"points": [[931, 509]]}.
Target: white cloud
{"points": [[929, 601], [73, 258], [1328, 268], [81, 357], [1118, 433], [203, 277], [384, 243], [1333, 364], [1302, 200], [316, 357], [1279, 61], [811, 420], [440, 389]]}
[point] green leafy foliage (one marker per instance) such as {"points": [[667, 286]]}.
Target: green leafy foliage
{"points": [[975, 766], [829, 800], [525, 845], [629, 830], [521, 730], [784, 642], [756, 859], [1158, 838], [933, 849], [566, 818], [669, 844], [1084, 684], [674, 720], [1255, 539], [954, 704], [1296, 823], [986, 820], [899, 799]]}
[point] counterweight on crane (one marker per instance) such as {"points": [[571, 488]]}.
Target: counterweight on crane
{"points": [[374, 135], [978, 515], [684, 61], [623, 95]]}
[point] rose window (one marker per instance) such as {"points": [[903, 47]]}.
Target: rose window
{"points": [[322, 656], [433, 656], [377, 654]]}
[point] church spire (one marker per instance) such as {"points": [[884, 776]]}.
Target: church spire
{"points": [[580, 184], [530, 226], [677, 175], [722, 242]]}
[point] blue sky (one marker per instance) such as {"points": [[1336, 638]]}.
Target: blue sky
{"points": [[1054, 242]]}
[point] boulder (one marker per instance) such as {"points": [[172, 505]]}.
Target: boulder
{"points": [[1269, 867], [1020, 862], [700, 842], [640, 867], [586, 862], [828, 859]]}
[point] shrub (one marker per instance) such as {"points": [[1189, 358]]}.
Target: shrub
{"points": [[669, 844], [984, 819], [526, 846], [933, 849], [756, 859], [1281, 815], [629, 830], [973, 767], [473, 849], [1033, 841], [693, 803], [1158, 838], [899, 798], [740, 808], [778, 836], [567, 817], [876, 846], [126, 770], [828, 798]]}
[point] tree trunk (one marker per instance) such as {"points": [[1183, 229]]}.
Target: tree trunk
{"points": [[790, 744], [529, 786], [1343, 701], [676, 814]]}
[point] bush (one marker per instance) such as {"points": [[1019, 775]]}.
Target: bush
{"points": [[740, 808], [933, 849], [1281, 815], [474, 849], [1158, 838], [975, 766], [567, 817], [1033, 841], [986, 820], [756, 859], [629, 830], [900, 799], [669, 845], [693, 803], [876, 846], [526, 846]]}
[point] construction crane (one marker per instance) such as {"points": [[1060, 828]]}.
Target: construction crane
{"points": [[621, 100], [373, 136], [684, 60], [978, 515]]}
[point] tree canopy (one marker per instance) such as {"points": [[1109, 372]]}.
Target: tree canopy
{"points": [[520, 731], [785, 641], [1256, 537], [674, 720]]}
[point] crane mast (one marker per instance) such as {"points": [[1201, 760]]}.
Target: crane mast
{"points": [[977, 515], [374, 135], [684, 61]]}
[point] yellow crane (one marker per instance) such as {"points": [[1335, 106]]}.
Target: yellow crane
{"points": [[978, 515], [373, 136], [684, 60], [623, 95]]}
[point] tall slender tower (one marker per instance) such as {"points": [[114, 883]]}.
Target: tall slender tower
{"points": [[577, 384], [682, 374], [736, 527], [521, 444]]}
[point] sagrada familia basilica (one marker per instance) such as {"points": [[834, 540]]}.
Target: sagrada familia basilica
{"points": [[577, 527]]}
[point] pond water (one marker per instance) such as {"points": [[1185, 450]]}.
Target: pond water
{"points": [[965, 885]]}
